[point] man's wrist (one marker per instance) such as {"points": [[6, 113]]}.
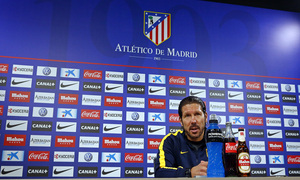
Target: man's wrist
{"points": [[188, 173]]}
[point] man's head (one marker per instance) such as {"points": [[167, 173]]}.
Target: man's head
{"points": [[193, 117]]}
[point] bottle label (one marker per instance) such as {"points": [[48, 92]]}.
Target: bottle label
{"points": [[244, 162], [230, 147], [214, 137]]}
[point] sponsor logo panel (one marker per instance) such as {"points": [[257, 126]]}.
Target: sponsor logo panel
{"points": [[277, 171], [257, 145], [112, 128], [92, 74], [133, 102], [134, 129], [173, 104], [272, 109], [135, 116], [42, 97], [291, 88], [236, 107], [156, 117], [289, 122], [157, 79], [11, 171], [69, 73], [40, 140], [255, 121], [16, 125], [22, 69], [134, 158], [258, 172], [65, 141], [237, 120], [271, 97], [91, 100], [273, 121], [89, 142], [68, 99], [22, 111], [46, 71], [256, 133], [294, 171], [178, 80], [19, 96], [258, 159], [89, 127], [39, 156], [201, 93], [90, 114], [274, 133], [153, 143], [134, 143], [112, 142], [114, 76], [14, 140], [113, 101], [235, 95], [216, 94], [63, 156], [37, 171], [3, 81], [114, 88], [69, 85], [217, 106], [88, 157], [174, 118], [112, 115], [157, 90], [254, 96], [270, 86], [134, 172], [135, 89], [20, 82], [136, 77], [67, 113], [91, 86], [177, 91], [41, 126], [292, 146], [4, 68], [150, 172], [66, 126], [156, 130], [254, 108], [293, 159], [110, 171], [12, 156], [290, 110], [275, 146], [156, 103], [276, 159], [45, 83], [289, 98], [292, 134], [194, 81], [63, 171], [111, 157], [235, 84], [2, 95], [87, 172], [43, 112], [216, 83]]}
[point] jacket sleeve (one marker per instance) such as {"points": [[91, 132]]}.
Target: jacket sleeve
{"points": [[165, 162]]}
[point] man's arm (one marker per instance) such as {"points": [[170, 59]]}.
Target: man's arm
{"points": [[165, 163]]}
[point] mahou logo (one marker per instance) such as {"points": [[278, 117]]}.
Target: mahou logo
{"points": [[236, 107], [14, 140], [3, 68], [39, 156], [255, 121], [272, 109], [253, 85], [293, 159], [153, 143], [177, 80], [134, 157], [19, 96], [112, 142], [174, 118], [157, 103], [275, 146], [113, 101], [68, 99], [230, 147], [90, 114], [1, 110], [65, 141], [92, 74]]}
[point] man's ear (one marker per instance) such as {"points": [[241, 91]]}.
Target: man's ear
{"points": [[180, 121], [206, 116]]}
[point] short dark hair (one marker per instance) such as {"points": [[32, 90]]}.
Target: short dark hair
{"points": [[191, 100]]}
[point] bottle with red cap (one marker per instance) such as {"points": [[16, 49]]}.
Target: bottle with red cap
{"points": [[243, 156], [230, 151]]}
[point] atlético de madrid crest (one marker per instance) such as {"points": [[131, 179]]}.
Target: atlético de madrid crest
{"points": [[157, 26]]}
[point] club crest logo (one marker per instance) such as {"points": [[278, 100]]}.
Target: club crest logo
{"points": [[157, 26]]}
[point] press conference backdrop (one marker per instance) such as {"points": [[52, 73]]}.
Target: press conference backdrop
{"points": [[89, 88]]}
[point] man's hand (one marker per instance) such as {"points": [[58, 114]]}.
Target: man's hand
{"points": [[200, 169]]}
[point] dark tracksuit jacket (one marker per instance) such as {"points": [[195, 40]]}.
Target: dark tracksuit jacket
{"points": [[176, 154]]}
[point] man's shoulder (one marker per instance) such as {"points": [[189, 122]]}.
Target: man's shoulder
{"points": [[177, 135]]}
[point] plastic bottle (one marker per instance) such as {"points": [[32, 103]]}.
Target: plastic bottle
{"points": [[214, 143]]}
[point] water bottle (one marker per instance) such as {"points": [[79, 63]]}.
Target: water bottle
{"points": [[214, 143]]}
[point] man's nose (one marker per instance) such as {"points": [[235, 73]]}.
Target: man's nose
{"points": [[193, 119]]}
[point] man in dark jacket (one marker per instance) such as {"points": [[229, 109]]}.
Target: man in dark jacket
{"points": [[184, 153]]}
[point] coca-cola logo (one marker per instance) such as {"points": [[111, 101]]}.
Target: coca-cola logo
{"points": [[255, 121], [90, 114], [3, 68], [174, 118], [92, 74], [293, 159], [177, 80], [253, 85], [230, 147], [134, 157], [38, 156]]}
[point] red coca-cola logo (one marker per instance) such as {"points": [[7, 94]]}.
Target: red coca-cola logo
{"points": [[68, 99], [174, 118], [90, 114], [157, 103], [14, 140], [236, 107], [3, 68], [134, 157], [38, 156], [230, 147], [272, 109], [255, 121], [253, 85], [112, 142], [65, 141], [293, 159], [1, 110], [275, 146], [177, 80], [92, 74], [113, 101], [153, 143], [19, 96]]}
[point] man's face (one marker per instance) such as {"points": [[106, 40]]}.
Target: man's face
{"points": [[193, 121]]}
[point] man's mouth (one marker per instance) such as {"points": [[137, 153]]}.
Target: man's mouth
{"points": [[194, 129]]}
